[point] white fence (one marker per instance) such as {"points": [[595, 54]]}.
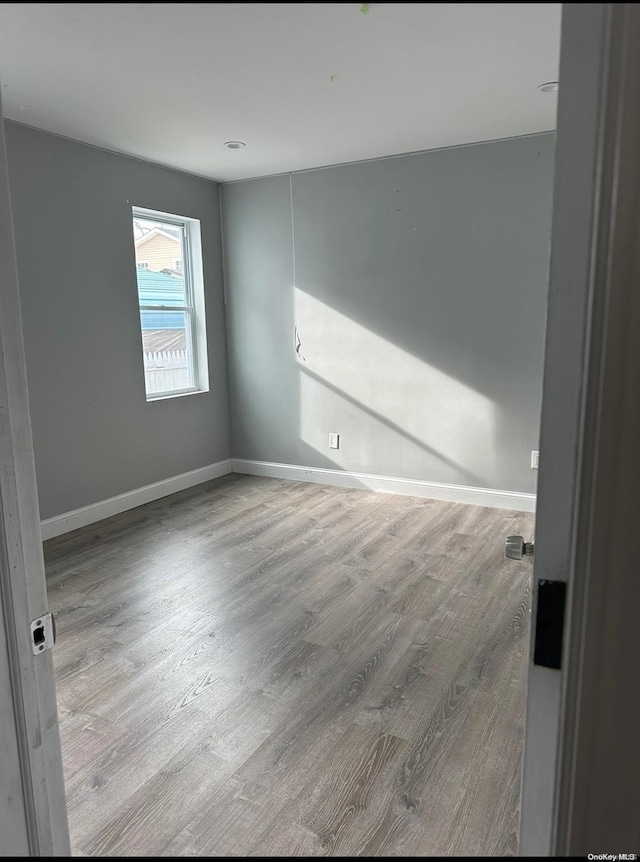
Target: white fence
{"points": [[166, 371]]}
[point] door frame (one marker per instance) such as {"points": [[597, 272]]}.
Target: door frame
{"points": [[23, 594], [580, 789]]}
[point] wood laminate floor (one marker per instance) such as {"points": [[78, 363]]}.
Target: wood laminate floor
{"points": [[263, 667]]}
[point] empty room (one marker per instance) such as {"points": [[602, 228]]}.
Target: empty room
{"points": [[280, 280]]}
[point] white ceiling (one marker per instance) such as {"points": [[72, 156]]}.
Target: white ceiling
{"points": [[303, 84]]}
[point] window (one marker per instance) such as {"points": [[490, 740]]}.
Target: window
{"points": [[171, 303]]}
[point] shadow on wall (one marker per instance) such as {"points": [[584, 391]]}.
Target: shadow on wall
{"points": [[419, 305], [421, 295], [383, 399]]}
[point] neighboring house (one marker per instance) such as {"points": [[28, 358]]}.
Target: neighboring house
{"points": [[161, 330], [157, 250]]}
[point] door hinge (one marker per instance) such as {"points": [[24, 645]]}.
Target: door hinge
{"points": [[547, 649], [43, 633]]}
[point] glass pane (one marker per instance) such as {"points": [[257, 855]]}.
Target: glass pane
{"points": [[168, 357], [159, 250]]}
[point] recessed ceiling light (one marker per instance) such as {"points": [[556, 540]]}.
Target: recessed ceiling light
{"points": [[235, 145], [549, 87]]}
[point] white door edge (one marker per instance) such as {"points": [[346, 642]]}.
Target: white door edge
{"points": [[22, 579], [577, 795]]}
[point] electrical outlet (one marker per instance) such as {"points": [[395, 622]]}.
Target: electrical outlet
{"points": [[535, 458], [334, 441]]}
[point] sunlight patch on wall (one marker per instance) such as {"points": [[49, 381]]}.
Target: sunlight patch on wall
{"points": [[382, 399]]}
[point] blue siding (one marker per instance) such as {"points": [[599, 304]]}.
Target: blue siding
{"points": [[158, 288], [161, 319]]}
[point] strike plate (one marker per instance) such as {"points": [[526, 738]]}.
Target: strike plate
{"points": [[43, 633]]}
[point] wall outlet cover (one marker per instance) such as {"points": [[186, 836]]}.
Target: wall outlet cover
{"points": [[535, 459], [334, 441]]}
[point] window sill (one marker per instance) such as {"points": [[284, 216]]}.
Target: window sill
{"points": [[169, 396]]}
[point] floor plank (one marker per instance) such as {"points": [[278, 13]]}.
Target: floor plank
{"points": [[264, 667]]}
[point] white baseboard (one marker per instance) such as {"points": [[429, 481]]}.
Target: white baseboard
{"points": [[514, 500], [68, 521]]}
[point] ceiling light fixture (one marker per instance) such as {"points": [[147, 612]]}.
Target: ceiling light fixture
{"points": [[549, 87], [235, 145]]}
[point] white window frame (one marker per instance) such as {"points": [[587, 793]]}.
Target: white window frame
{"points": [[194, 307], [178, 266], [142, 264]]}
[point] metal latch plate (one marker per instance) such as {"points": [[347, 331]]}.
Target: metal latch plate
{"points": [[43, 633]]}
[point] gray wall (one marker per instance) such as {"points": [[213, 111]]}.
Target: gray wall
{"points": [[95, 436], [418, 288]]}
